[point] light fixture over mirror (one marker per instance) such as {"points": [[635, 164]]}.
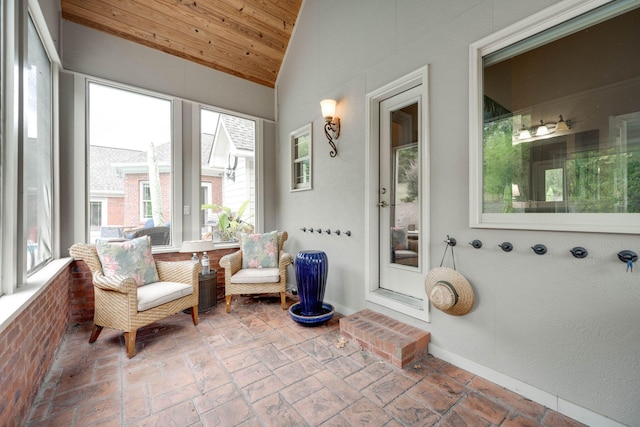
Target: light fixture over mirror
{"points": [[332, 123], [543, 129]]}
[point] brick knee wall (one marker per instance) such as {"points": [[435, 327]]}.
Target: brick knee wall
{"points": [[27, 349]]}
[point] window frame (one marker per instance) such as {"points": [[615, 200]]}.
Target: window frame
{"points": [[15, 18], [176, 155], [142, 201], [295, 161], [558, 14]]}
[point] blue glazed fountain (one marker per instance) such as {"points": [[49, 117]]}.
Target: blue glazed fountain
{"points": [[311, 275]]}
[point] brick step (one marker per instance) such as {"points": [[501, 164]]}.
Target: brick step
{"points": [[389, 339]]}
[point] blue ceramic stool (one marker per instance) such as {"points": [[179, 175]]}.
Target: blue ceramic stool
{"points": [[311, 275]]}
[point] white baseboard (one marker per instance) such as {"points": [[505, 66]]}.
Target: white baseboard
{"points": [[542, 397]]}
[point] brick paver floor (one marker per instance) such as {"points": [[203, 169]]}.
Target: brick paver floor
{"points": [[256, 367]]}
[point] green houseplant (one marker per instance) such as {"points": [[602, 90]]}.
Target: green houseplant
{"points": [[230, 224]]}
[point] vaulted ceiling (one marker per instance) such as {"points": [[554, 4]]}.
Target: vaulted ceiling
{"points": [[245, 38]]}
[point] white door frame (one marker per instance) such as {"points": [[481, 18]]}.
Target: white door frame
{"points": [[374, 294]]}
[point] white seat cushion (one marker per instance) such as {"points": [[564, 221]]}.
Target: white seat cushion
{"points": [[158, 293], [256, 275]]}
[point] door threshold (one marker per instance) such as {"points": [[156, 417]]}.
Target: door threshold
{"points": [[405, 304]]}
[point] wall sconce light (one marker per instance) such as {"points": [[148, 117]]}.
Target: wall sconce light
{"points": [[524, 133], [230, 171], [332, 123], [563, 126]]}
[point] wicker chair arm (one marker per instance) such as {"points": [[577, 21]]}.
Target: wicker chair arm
{"points": [[231, 262], [179, 271], [285, 259], [118, 283]]}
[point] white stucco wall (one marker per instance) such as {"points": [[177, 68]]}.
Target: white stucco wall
{"points": [[566, 327]]}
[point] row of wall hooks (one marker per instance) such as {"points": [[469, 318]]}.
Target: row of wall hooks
{"points": [[626, 256], [327, 231]]}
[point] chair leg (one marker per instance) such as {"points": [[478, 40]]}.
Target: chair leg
{"points": [[94, 333], [130, 343], [194, 314], [283, 299], [228, 299]]}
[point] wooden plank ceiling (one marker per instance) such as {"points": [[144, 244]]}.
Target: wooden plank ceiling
{"points": [[245, 38]]}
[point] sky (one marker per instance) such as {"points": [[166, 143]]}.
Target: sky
{"points": [[124, 119]]}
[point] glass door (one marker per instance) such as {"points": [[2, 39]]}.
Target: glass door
{"points": [[400, 194]]}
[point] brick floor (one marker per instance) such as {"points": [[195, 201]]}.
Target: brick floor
{"points": [[256, 367]]}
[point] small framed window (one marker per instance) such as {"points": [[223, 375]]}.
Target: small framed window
{"points": [[301, 149], [554, 128], [146, 211]]}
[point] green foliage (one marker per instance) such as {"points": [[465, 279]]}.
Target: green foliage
{"points": [[230, 224]]}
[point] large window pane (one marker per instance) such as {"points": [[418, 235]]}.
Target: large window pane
{"points": [[129, 164], [227, 175], [561, 113], [37, 151]]}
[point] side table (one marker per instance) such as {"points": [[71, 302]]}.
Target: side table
{"points": [[207, 291]]}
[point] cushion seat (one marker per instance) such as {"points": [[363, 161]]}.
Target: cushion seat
{"points": [[158, 293], [253, 272], [256, 275]]}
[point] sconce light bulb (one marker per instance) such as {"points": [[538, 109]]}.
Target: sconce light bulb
{"points": [[328, 107]]}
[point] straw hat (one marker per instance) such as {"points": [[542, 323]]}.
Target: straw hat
{"points": [[449, 291]]}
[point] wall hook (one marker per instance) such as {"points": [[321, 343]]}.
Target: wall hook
{"points": [[327, 231], [506, 246], [629, 257], [579, 252], [337, 232], [476, 244], [450, 241], [319, 230], [311, 230], [539, 249], [348, 233], [304, 229]]}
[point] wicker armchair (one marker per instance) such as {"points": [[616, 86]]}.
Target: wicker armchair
{"points": [[116, 297], [269, 280]]}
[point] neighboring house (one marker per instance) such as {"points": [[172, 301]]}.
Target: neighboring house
{"points": [[232, 153], [120, 187]]}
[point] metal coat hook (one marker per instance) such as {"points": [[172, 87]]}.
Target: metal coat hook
{"points": [[539, 249], [304, 229], [327, 231], [477, 244], [450, 241], [628, 257], [311, 230], [506, 246], [579, 252], [348, 233], [337, 232]]}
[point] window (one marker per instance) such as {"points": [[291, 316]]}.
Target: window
{"points": [[37, 149], [28, 77], [555, 134], [301, 158], [146, 211], [227, 174], [130, 162]]}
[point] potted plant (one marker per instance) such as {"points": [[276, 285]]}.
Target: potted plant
{"points": [[230, 224]]}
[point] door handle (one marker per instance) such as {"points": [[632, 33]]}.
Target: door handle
{"points": [[383, 204]]}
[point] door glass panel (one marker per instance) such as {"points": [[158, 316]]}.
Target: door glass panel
{"points": [[404, 217]]}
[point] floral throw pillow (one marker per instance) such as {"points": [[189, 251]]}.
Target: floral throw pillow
{"points": [[131, 258], [399, 238], [260, 250]]}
